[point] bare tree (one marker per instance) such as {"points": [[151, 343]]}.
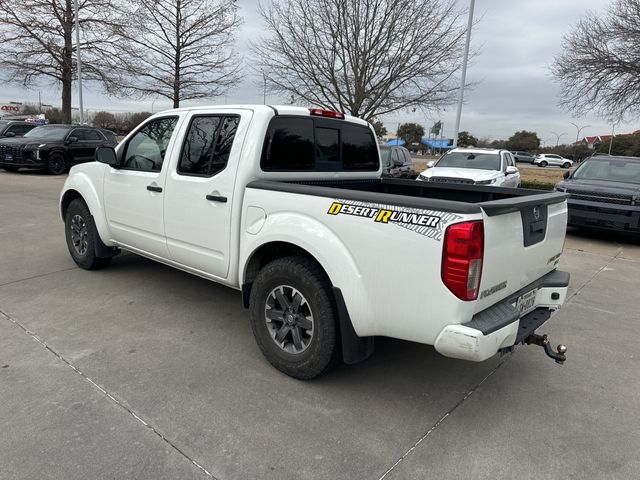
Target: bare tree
{"points": [[177, 49], [37, 38], [599, 69], [364, 57]]}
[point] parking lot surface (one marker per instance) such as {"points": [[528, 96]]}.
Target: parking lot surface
{"points": [[142, 371]]}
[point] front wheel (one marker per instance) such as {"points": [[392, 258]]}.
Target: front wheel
{"points": [[293, 317], [82, 236], [566, 165]]}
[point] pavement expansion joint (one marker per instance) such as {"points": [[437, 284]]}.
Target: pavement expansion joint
{"points": [[37, 276], [108, 395], [592, 278], [443, 418]]}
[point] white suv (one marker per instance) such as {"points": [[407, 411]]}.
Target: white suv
{"points": [[479, 166], [551, 159]]}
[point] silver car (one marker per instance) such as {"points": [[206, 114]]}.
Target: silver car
{"points": [[552, 160]]}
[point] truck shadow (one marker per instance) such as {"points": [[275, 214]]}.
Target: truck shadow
{"points": [[395, 364]]}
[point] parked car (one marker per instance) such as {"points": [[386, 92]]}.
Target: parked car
{"points": [[396, 162], [15, 128], [523, 156], [552, 160], [53, 147], [604, 193], [474, 166], [285, 204]]}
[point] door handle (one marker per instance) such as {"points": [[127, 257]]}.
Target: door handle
{"points": [[216, 198], [153, 188]]}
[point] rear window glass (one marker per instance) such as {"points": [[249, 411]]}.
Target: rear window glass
{"points": [[478, 161], [309, 144]]}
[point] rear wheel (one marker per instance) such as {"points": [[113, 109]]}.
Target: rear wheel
{"points": [[56, 164], [543, 164], [11, 169], [81, 236], [566, 165], [293, 317]]}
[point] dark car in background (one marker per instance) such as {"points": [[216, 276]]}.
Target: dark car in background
{"points": [[523, 156], [396, 162], [15, 128], [604, 193], [54, 147]]}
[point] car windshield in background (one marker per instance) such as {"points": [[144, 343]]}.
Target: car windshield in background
{"points": [[47, 133], [479, 161], [613, 170]]}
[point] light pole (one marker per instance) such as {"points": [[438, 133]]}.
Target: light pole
{"points": [[79, 63], [579, 130], [558, 135], [463, 80], [264, 89], [613, 129]]}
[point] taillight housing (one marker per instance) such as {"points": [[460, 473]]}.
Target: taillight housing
{"points": [[319, 112], [462, 259]]}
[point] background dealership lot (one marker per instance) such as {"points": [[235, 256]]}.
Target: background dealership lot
{"points": [[167, 381]]}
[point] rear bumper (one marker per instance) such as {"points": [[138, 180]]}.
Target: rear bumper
{"points": [[621, 218], [501, 325]]}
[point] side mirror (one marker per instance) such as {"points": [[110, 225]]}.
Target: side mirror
{"points": [[566, 174], [431, 163], [107, 155], [72, 139], [10, 134], [511, 170]]}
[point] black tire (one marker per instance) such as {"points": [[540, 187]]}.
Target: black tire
{"points": [[566, 165], [81, 234], [57, 163], [543, 164], [11, 169], [307, 278]]}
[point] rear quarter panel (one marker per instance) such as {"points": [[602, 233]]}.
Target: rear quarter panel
{"points": [[388, 271]]}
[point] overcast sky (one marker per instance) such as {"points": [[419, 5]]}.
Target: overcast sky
{"points": [[517, 42]]}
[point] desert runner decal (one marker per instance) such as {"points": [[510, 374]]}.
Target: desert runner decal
{"points": [[425, 222]]}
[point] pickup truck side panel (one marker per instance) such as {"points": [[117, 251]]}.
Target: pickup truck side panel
{"points": [[422, 306]]}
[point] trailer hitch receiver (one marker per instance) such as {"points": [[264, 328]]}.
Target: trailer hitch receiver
{"points": [[543, 341]]}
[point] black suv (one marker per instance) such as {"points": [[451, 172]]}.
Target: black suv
{"points": [[54, 147], [604, 193], [396, 162], [15, 128]]}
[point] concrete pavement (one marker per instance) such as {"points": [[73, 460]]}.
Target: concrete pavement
{"points": [[142, 371]]}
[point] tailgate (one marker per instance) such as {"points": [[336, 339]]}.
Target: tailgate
{"points": [[524, 238]]}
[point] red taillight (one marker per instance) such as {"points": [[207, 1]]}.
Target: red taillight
{"points": [[326, 113], [462, 259]]}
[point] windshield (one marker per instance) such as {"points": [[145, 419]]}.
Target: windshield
{"points": [[612, 170], [47, 133], [384, 156], [478, 161]]}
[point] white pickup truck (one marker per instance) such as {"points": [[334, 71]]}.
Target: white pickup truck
{"points": [[286, 205]]}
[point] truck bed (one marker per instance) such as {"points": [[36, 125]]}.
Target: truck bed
{"points": [[466, 199]]}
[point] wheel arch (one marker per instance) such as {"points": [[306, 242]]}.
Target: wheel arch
{"points": [[79, 185], [354, 348]]}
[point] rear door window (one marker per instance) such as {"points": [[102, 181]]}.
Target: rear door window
{"points": [[207, 145]]}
